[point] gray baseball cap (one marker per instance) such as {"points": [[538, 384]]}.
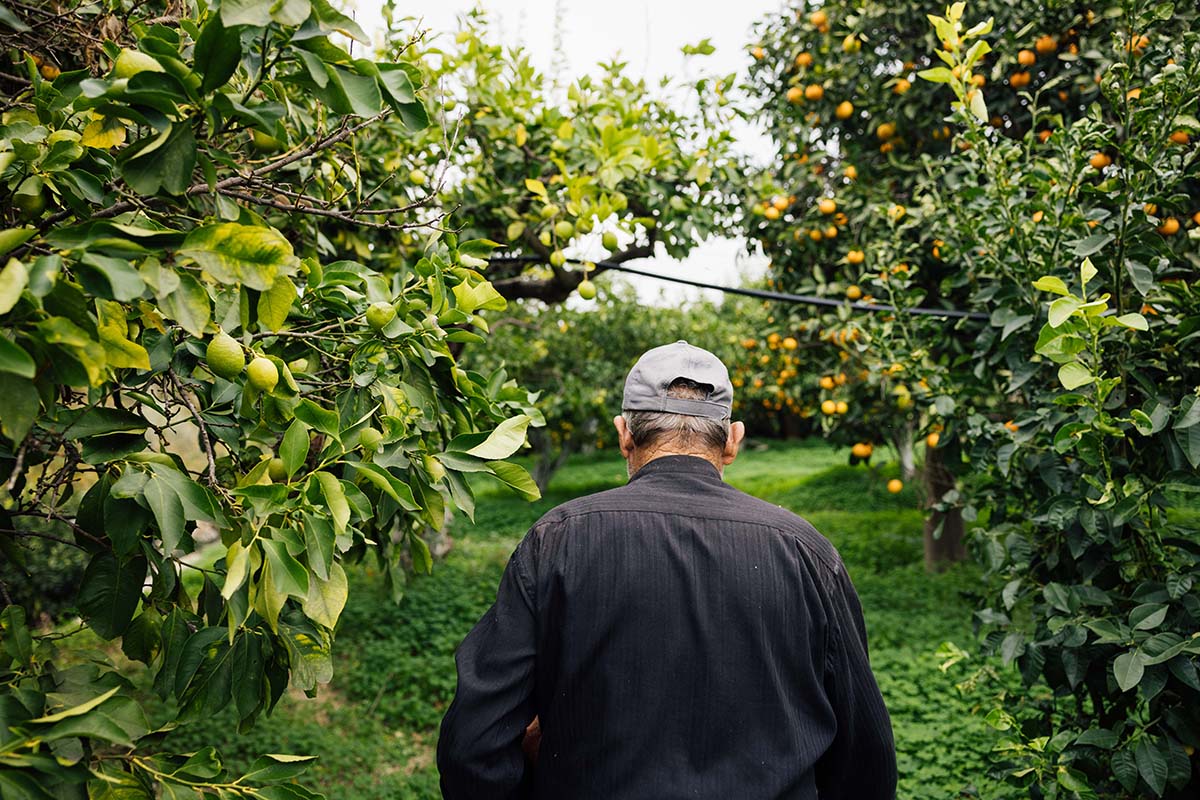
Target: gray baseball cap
{"points": [[647, 383]]}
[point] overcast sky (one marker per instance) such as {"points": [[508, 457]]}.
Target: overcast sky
{"points": [[648, 35]]}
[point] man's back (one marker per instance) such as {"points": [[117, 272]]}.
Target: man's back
{"points": [[677, 638]]}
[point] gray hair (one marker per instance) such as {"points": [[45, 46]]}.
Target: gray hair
{"points": [[656, 428]]}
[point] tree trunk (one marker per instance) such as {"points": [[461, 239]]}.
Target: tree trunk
{"points": [[943, 529]]}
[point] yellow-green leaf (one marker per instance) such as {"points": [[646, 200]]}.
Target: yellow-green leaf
{"points": [[275, 303], [103, 133], [232, 253], [326, 598]]}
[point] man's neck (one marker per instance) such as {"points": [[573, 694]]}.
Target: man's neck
{"points": [[639, 459]]}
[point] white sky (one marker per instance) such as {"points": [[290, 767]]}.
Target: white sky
{"points": [[648, 34]]}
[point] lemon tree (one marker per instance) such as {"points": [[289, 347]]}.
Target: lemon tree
{"points": [[206, 388]]}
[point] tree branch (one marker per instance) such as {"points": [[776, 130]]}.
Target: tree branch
{"points": [[205, 440]]}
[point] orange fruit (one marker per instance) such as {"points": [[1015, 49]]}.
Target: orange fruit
{"points": [[827, 205], [1045, 44], [758, 53], [842, 407], [862, 450], [901, 86], [816, 235], [1099, 160], [49, 71], [831, 232], [804, 60], [1196, 218], [978, 80], [853, 292], [850, 172], [1150, 208], [829, 408], [795, 94], [827, 382], [840, 380], [846, 108], [1133, 94], [814, 91], [1037, 216], [1026, 58], [885, 131], [772, 213], [895, 486], [1169, 227], [856, 256], [818, 18], [1012, 426], [779, 202], [932, 440], [1180, 137], [790, 343], [1019, 80], [1043, 136]]}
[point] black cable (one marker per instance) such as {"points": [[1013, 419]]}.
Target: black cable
{"points": [[763, 294]]}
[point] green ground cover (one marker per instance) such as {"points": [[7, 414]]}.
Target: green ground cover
{"points": [[375, 727]]}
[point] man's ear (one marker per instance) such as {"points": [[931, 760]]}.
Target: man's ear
{"points": [[737, 432], [624, 437]]}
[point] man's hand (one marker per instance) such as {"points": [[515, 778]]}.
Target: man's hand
{"points": [[533, 740]]}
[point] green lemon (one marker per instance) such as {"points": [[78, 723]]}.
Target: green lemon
{"points": [[369, 438], [263, 374], [587, 289], [564, 229], [298, 365], [277, 470], [433, 468], [557, 258], [264, 142], [380, 314], [418, 178], [610, 241], [131, 62], [224, 356], [549, 210], [544, 238]]}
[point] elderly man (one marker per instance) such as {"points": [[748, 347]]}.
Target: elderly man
{"points": [[674, 637]]}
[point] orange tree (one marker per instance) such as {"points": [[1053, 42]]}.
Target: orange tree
{"points": [[185, 354], [1055, 204]]}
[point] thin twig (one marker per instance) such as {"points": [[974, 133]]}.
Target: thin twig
{"points": [[208, 448]]}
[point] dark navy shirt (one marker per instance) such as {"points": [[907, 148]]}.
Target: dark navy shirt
{"points": [[677, 638]]}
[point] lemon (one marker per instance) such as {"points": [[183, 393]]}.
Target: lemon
{"points": [[433, 468], [564, 229], [264, 142], [277, 470], [224, 356], [131, 62], [587, 289], [549, 210], [263, 374], [609, 241], [417, 178], [557, 258], [369, 438], [379, 315]]}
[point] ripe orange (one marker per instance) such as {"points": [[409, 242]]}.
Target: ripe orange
{"points": [[932, 440], [804, 60], [795, 94], [1099, 160], [814, 91], [831, 232], [1137, 44], [779, 202], [758, 53], [816, 235], [1196, 218], [829, 408], [846, 108], [895, 486], [850, 172], [853, 292], [790, 343], [49, 71], [1170, 227], [840, 380], [842, 407], [1037, 216], [886, 147], [1012, 426], [827, 205], [772, 213], [1019, 80], [1043, 136], [1180, 137], [885, 131], [862, 450], [902, 86], [1026, 58], [1045, 44], [827, 382], [749, 344], [773, 340], [818, 18], [1150, 208], [856, 256], [1133, 94]]}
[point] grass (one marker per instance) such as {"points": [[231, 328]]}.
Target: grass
{"points": [[375, 727]]}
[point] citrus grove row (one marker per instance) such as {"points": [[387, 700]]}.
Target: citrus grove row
{"points": [[258, 279]]}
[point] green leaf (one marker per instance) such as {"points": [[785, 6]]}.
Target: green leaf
{"points": [[395, 488], [237, 567], [167, 508], [936, 75], [1092, 244], [326, 598], [1128, 670], [1188, 440], [14, 634], [13, 280], [1147, 616], [288, 574], [322, 419], [1134, 321], [188, 304], [335, 497], [1087, 270], [162, 162], [19, 405], [332, 19], [12, 238], [217, 53], [273, 767], [536, 186], [293, 450], [516, 478], [97, 421], [505, 440], [1062, 309], [1151, 764], [1049, 283], [252, 255], [1074, 375], [14, 359], [75, 711], [245, 12], [275, 303], [109, 593], [319, 540]]}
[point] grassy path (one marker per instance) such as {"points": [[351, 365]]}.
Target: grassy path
{"points": [[375, 728]]}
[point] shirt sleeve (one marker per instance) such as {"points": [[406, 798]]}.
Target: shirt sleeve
{"points": [[861, 762], [479, 751]]}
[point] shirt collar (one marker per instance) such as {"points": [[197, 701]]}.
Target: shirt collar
{"points": [[688, 465]]}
